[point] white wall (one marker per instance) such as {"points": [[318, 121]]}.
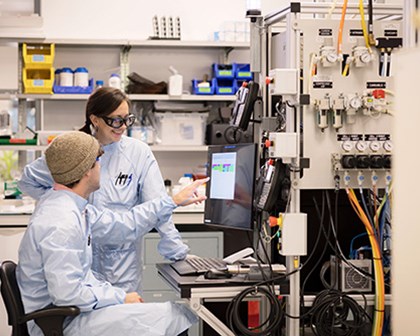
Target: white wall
{"points": [[132, 19], [406, 229]]}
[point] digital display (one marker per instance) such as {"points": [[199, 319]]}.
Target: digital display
{"points": [[230, 189]]}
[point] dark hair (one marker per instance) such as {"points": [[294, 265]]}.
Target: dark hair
{"points": [[101, 103]]}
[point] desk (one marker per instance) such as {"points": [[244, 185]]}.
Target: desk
{"points": [[196, 292]]}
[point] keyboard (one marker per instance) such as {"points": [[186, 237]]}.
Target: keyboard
{"points": [[197, 266]]}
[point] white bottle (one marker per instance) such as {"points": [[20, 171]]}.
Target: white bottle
{"points": [[115, 81], [81, 77], [66, 77], [175, 83]]}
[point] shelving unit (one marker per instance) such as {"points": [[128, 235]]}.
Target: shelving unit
{"points": [[66, 111], [133, 97], [155, 148]]}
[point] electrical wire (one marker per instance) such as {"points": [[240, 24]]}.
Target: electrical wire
{"points": [[363, 23], [340, 29], [378, 316], [273, 320], [370, 25], [337, 313]]}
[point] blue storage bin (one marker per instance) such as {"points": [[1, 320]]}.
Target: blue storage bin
{"points": [[74, 89], [225, 86], [202, 90], [223, 70], [243, 71]]}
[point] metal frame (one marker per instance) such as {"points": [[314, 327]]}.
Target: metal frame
{"points": [[260, 44]]}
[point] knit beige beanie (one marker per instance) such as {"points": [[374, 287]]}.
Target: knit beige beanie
{"points": [[70, 156]]}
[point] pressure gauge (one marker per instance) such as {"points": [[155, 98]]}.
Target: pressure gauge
{"points": [[388, 145], [355, 102], [332, 57], [347, 146], [361, 146], [374, 146], [366, 57]]}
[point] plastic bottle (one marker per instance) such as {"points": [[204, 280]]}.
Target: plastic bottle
{"points": [[66, 77], [175, 83], [81, 77], [115, 81], [168, 185], [99, 84], [57, 76]]}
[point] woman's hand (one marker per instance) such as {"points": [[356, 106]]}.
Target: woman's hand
{"points": [[189, 194]]}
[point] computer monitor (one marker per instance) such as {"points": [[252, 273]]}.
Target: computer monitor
{"points": [[230, 189], [246, 97]]}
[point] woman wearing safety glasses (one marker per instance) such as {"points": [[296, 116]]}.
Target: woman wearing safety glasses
{"points": [[130, 176]]}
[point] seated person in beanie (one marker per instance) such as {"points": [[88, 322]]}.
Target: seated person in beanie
{"points": [[55, 255]]}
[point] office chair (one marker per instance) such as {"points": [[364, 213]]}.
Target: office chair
{"points": [[49, 319]]}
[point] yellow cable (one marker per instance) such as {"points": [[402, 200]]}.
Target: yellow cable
{"points": [[340, 29], [378, 318], [363, 22], [346, 68]]}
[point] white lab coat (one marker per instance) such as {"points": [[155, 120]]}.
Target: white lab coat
{"points": [[55, 258], [130, 176]]}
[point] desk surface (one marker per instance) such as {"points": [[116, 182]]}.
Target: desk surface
{"points": [[185, 285]]}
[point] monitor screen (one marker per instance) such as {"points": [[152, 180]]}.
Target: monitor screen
{"points": [[231, 186], [246, 97]]}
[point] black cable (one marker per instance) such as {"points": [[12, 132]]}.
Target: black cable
{"points": [[370, 23], [271, 324], [336, 313], [388, 62]]}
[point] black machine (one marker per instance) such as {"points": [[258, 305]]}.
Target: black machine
{"points": [[230, 190], [247, 95], [239, 129]]}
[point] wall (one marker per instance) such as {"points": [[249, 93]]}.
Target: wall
{"points": [[132, 19], [406, 231]]}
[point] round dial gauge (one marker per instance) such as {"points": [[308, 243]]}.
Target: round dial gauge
{"points": [[361, 146], [347, 146], [355, 102], [388, 145], [366, 57], [374, 146], [332, 57]]}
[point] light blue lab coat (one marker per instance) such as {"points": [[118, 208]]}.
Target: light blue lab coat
{"points": [[55, 258], [130, 175]]}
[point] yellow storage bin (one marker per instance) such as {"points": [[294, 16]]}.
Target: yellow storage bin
{"points": [[38, 56], [38, 80]]}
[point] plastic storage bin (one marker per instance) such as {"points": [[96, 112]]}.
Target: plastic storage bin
{"points": [[74, 89], [181, 128], [223, 70], [243, 71], [225, 86], [38, 56], [38, 80], [196, 89]]}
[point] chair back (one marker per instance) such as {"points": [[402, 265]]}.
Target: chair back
{"points": [[12, 298]]}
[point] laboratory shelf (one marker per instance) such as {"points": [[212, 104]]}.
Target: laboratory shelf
{"points": [[23, 147], [154, 148], [186, 148], [136, 97], [184, 97], [56, 96], [149, 43]]}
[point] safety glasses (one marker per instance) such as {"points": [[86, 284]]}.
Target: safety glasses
{"points": [[117, 122]]}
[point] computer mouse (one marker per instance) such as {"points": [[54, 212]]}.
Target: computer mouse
{"points": [[217, 274]]}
